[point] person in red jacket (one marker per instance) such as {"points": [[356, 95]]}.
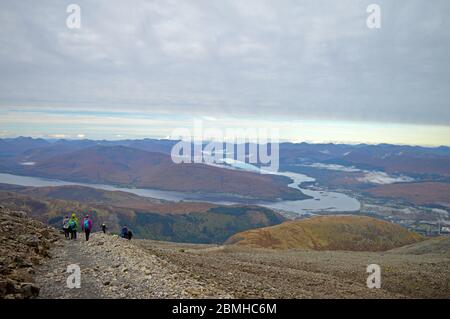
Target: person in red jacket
{"points": [[86, 226]]}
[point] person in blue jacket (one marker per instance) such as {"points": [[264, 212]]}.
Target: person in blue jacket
{"points": [[124, 232]]}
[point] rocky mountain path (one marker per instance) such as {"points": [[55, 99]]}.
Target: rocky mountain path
{"points": [[52, 276], [247, 272], [113, 267]]}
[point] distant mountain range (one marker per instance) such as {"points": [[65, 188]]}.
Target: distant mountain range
{"points": [[386, 157], [146, 163], [126, 166], [395, 159]]}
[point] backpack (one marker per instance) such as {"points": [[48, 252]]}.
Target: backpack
{"points": [[66, 224], [72, 224], [86, 224]]}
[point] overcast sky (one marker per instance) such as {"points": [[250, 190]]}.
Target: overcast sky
{"points": [[277, 61]]}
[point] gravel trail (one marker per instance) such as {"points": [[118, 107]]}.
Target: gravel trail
{"points": [[266, 273], [112, 267]]}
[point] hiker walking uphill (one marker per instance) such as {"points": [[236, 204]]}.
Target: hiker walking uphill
{"points": [[87, 226], [73, 226]]}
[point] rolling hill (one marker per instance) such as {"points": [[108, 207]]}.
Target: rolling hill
{"points": [[354, 233], [192, 222], [437, 245], [129, 167]]}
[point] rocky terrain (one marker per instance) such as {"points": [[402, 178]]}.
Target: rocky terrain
{"points": [[116, 268], [113, 267], [34, 261], [24, 244], [267, 273]]}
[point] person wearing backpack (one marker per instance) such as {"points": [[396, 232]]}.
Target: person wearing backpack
{"points": [[124, 232], [87, 226], [129, 235], [73, 226], [66, 226]]}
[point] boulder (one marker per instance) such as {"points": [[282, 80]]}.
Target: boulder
{"points": [[29, 290]]}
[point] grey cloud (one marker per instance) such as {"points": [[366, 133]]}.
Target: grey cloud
{"points": [[268, 59]]}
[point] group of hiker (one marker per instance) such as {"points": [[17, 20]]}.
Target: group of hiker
{"points": [[71, 226], [126, 233]]}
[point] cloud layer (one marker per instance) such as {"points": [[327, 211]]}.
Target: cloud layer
{"points": [[301, 60]]}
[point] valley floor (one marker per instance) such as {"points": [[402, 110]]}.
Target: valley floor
{"points": [[116, 268]]}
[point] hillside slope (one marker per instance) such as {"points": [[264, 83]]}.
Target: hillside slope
{"points": [[129, 167], [193, 222], [116, 268], [246, 272], [438, 245], [24, 244], [112, 267], [416, 193], [354, 233]]}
